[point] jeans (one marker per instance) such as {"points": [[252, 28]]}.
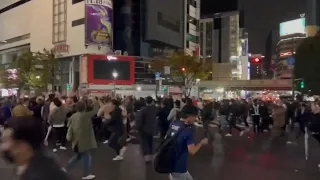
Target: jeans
{"points": [[87, 164], [181, 176]]}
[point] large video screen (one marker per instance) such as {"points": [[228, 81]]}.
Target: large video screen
{"points": [[103, 69], [292, 27]]}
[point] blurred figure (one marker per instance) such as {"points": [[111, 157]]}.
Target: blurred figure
{"points": [[21, 145], [57, 119], [279, 120], [81, 134], [21, 110], [37, 108], [145, 123]]}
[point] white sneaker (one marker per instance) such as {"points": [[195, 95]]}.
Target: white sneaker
{"points": [[228, 135], [241, 133], [105, 142], [55, 150], [128, 139], [63, 148], [89, 177], [122, 151], [289, 142], [118, 158]]}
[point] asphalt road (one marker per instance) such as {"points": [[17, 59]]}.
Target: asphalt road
{"points": [[248, 157]]}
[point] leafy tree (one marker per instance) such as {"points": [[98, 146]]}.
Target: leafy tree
{"points": [[184, 69], [307, 63], [30, 70]]}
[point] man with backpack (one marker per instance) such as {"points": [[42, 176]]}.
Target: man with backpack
{"points": [[172, 155]]}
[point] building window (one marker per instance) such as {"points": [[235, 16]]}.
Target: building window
{"points": [[76, 1], [59, 31], [77, 22]]}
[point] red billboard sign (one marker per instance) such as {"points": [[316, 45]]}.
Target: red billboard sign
{"points": [[101, 69]]}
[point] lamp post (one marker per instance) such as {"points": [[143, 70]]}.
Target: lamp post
{"points": [[114, 75]]}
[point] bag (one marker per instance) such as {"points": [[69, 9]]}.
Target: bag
{"points": [[164, 160]]}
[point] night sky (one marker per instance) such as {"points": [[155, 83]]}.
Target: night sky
{"points": [[260, 16]]}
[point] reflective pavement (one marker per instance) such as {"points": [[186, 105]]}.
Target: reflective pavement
{"points": [[243, 158]]}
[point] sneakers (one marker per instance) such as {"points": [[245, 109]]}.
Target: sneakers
{"points": [[105, 142], [228, 135], [118, 158], [89, 177], [241, 133], [55, 150], [62, 148], [122, 151]]}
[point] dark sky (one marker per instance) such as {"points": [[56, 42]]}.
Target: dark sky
{"points": [[260, 16]]}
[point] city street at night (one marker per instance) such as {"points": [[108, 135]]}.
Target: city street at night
{"points": [[243, 158]]}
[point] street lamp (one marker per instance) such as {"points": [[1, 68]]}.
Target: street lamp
{"points": [[114, 75], [38, 77], [139, 88]]}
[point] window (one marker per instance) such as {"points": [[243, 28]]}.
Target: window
{"points": [[14, 5], [76, 1], [77, 22], [59, 27], [168, 22]]}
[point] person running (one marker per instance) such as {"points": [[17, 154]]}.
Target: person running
{"points": [[185, 142]]}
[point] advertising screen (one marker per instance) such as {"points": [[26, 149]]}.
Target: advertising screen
{"points": [[101, 69], [292, 27], [99, 22], [104, 69], [164, 22]]}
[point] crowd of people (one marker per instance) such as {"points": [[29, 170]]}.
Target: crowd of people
{"points": [[55, 121]]}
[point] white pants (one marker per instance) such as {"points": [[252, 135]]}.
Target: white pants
{"points": [[180, 176]]}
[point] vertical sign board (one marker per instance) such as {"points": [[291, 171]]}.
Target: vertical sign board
{"points": [[99, 22]]}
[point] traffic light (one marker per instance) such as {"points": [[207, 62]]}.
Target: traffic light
{"points": [[164, 88], [68, 87], [302, 84]]}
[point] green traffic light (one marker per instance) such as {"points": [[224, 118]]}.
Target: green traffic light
{"points": [[302, 85]]}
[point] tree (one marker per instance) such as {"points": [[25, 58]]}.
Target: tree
{"points": [[307, 62], [30, 70], [184, 69]]}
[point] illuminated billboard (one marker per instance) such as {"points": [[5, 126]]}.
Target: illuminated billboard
{"points": [[293, 26]]}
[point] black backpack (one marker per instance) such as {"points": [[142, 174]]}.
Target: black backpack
{"points": [[164, 160]]}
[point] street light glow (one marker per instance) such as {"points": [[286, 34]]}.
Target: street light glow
{"points": [[38, 77], [115, 74], [139, 88]]}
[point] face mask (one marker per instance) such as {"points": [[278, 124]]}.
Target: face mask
{"points": [[7, 156]]}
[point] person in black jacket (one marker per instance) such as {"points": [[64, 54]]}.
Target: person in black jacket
{"points": [[233, 114], [22, 145], [145, 123], [115, 126], [303, 117]]}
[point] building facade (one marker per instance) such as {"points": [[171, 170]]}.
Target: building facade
{"points": [[291, 35], [223, 41]]}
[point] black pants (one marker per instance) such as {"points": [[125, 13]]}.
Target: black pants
{"points": [[146, 143], [59, 135], [106, 132], [163, 129], [114, 141], [256, 124], [206, 129], [232, 124], [244, 119]]}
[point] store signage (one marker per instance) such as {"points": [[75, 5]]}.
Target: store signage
{"points": [[61, 49]]}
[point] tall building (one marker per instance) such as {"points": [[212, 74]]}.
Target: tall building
{"points": [[223, 41], [206, 39], [291, 35], [271, 44]]}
